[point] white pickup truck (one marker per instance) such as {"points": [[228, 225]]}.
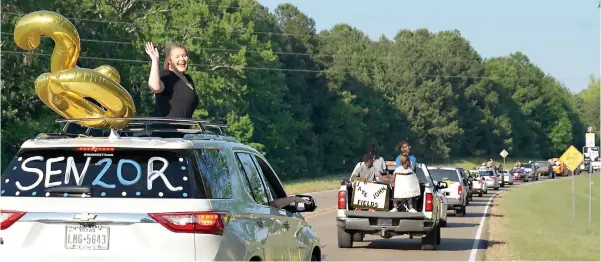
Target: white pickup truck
{"points": [[354, 224]]}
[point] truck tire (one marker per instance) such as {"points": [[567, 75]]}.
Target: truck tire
{"points": [[443, 223], [429, 241], [358, 237], [460, 212], [345, 239], [480, 193], [438, 235]]}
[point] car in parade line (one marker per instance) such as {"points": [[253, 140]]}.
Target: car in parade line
{"points": [[507, 177], [456, 191], [518, 174], [529, 172], [543, 168], [479, 184], [147, 194], [491, 179]]}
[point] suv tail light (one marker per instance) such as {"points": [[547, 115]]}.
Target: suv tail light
{"points": [[429, 202], [341, 200], [9, 217], [192, 222], [459, 189]]}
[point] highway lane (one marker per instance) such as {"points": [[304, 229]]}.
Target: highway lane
{"points": [[457, 239]]}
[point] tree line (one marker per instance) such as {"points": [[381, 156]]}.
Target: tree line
{"points": [[311, 101]]}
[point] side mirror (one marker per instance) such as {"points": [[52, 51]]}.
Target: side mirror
{"points": [[302, 207], [345, 182], [442, 185]]}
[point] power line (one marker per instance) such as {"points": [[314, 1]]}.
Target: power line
{"points": [[389, 57], [239, 31], [292, 70]]}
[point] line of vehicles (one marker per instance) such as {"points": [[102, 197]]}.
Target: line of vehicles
{"points": [[442, 188], [150, 192]]}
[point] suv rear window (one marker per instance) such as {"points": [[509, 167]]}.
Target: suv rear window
{"points": [[485, 173], [108, 172], [444, 174]]}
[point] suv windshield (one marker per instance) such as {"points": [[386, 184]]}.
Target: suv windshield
{"points": [[107, 172], [444, 174], [527, 166]]}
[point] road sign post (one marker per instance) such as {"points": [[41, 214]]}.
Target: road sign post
{"points": [[591, 154], [572, 158], [504, 154]]}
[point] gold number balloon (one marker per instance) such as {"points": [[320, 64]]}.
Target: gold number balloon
{"points": [[66, 87]]}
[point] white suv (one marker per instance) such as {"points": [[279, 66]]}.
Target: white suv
{"points": [[456, 192], [195, 197]]}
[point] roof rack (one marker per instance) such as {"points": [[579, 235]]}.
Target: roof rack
{"points": [[144, 126]]}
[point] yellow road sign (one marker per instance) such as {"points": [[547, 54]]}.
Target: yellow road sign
{"points": [[572, 158]]}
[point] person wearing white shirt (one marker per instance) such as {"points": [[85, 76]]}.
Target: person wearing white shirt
{"points": [[405, 170], [379, 165], [365, 171]]}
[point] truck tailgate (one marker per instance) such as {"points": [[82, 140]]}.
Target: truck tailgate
{"points": [[384, 214]]}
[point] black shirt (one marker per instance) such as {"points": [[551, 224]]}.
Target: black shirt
{"points": [[177, 100]]}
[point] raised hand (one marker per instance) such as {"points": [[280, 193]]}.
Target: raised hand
{"points": [[152, 51]]}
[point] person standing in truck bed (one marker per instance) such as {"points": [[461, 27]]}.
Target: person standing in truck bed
{"points": [[365, 171]]}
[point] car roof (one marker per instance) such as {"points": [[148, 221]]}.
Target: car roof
{"points": [[443, 168], [139, 134]]}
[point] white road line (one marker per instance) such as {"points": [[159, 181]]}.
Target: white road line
{"points": [[474, 251]]}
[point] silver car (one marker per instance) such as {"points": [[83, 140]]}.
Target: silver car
{"points": [[507, 177], [490, 177]]}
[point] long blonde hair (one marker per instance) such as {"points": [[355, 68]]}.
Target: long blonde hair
{"points": [[169, 47]]}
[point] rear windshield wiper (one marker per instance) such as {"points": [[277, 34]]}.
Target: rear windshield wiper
{"points": [[70, 190]]}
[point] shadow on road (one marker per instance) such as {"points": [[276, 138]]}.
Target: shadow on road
{"points": [[478, 204], [446, 244], [458, 224]]}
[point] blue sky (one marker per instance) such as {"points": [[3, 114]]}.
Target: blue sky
{"points": [[561, 37]]}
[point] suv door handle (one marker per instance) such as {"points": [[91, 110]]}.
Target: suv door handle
{"points": [[260, 223], [286, 224]]}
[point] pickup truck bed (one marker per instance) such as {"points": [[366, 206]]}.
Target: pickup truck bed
{"points": [[373, 222]]}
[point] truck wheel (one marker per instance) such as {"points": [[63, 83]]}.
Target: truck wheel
{"points": [[438, 235], [429, 240], [460, 212], [443, 223], [358, 237], [345, 239], [480, 193]]}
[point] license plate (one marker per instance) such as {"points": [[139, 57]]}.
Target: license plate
{"points": [[384, 222], [87, 238]]}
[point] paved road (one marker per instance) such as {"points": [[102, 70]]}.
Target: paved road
{"points": [[457, 239]]}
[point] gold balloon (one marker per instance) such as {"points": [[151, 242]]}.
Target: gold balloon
{"points": [[67, 86]]}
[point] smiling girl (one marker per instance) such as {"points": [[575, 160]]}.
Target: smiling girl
{"points": [[173, 89]]}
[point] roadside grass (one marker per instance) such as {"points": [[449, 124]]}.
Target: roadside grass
{"points": [[300, 186], [306, 185], [535, 222]]}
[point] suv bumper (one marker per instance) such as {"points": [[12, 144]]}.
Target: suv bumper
{"points": [[402, 225], [454, 203], [399, 222]]}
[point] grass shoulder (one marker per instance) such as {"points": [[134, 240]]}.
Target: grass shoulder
{"points": [[535, 222]]}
